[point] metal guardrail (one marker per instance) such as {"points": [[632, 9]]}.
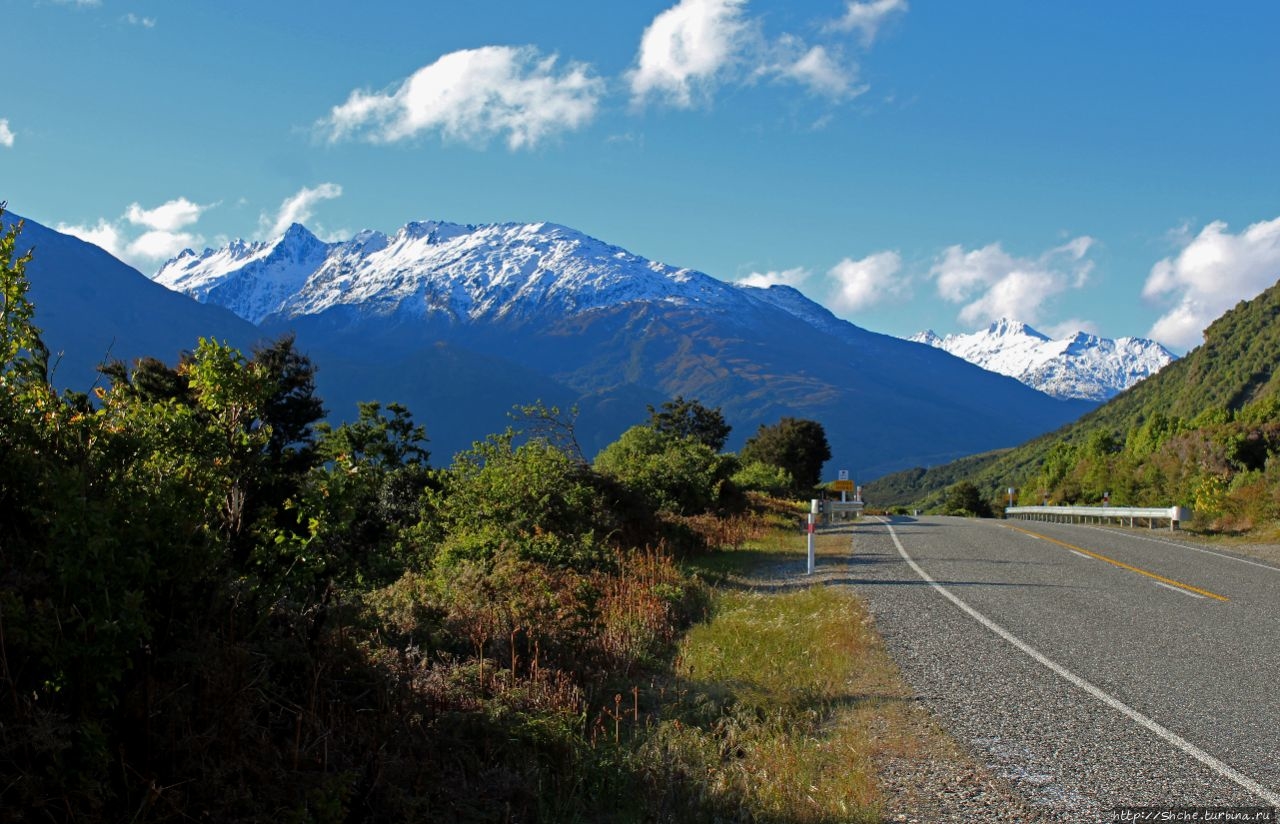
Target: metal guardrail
{"points": [[1092, 514]]}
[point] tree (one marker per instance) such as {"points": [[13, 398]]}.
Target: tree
{"points": [[965, 499], [689, 418], [796, 445], [533, 502], [21, 348], [292, 407], [673, 473]]}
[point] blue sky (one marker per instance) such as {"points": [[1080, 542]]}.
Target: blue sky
{"points": [[909, 164]]}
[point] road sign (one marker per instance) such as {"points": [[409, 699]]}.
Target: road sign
{"points": [[844, 474], [842, 485]]}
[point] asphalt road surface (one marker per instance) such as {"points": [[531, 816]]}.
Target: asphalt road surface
{"points": [[1095, 668]]}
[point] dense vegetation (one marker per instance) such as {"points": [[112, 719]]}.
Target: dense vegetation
{"points": [[212, 605], [1202, 433]]}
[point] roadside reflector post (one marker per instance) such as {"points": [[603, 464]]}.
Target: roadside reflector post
{"points": [[813, 519]]}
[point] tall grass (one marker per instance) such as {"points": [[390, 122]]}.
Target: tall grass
{"points": [[777, 706]]}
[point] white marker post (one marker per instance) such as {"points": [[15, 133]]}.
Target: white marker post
{"points": [[813, 519]]}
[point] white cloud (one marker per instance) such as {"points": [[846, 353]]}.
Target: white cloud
{"points": [[6, 134], [166, 217], [79, 3], [1213, 272], [786, 277], [134, 20], [863, 283], [161, 239], [867, 17], [823, 73], [104, 234], [696, 46], [819, 68], [298, 208], [994, 284], [686, 49], [472, 96], [1069, 327], [158, 245]]}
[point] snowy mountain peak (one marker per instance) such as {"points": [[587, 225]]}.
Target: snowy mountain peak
{"points": [[254, 276], [1078, 366], [460, 273], [928, 337], [1005, 328]]}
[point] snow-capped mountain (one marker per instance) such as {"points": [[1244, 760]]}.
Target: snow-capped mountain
{"points": [[460, 323], [443, 270], [1081, 366]]}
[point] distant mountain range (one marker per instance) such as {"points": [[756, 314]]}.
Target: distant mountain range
{"points": [[461, 323], [1080, 366]]}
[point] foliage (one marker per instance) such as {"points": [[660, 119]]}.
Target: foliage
{"points": [[762, 477], [674, 473], [795, 445], [690, 419], [965, 499]]}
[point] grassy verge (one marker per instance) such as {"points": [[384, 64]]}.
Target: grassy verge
{"points": [[781, 701]]}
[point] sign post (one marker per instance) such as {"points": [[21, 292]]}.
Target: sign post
{"points": [[813, 518]]}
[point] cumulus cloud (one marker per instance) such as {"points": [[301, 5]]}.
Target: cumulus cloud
{"points": [[298, 208], [6, 134], [867, 17], [135, 20], [686, 49], [167, 217], [105, 235], [785, 277], [158, 246], [824, 71], [1215, 270], [472, 96], [863, 283], [162, 238], [993, 284]]}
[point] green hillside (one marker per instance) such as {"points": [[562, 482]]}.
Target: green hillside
{"points": [[1201, 433]]}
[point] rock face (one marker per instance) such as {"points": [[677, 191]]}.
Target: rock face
{"points": [[1080, 366], [462, 322]]}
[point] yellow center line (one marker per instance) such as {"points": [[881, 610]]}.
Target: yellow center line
{"points": [[1123, 565]]}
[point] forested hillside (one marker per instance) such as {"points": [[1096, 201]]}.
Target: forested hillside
{"points": [[1202, 433]]}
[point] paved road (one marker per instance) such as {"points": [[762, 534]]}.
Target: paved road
{"points": [[1094, 667]]}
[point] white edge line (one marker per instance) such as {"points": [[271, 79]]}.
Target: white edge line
{"points": [[1192, 548], [1221, 768], [1178, 590], [1080, 554]]}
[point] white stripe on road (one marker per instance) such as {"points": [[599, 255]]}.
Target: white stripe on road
{"points": [[1179, 591], [1221, 768]]}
